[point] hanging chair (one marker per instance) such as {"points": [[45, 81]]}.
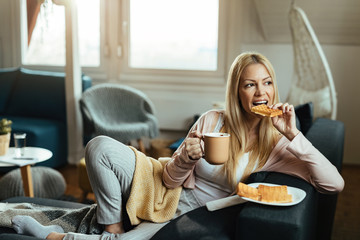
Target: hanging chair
{"points": [[312, 79]]}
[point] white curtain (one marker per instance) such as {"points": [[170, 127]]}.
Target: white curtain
{"points": [[73, 85]]}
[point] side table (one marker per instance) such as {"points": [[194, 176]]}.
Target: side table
{"points": [[32, 155]]}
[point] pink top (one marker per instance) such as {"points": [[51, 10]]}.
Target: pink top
{"points": [[297, 158]]}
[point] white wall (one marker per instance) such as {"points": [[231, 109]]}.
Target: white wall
{"points": [[177, 104], [344, 62]]}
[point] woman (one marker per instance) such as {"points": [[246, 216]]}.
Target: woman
{"points": [[257, 143]]}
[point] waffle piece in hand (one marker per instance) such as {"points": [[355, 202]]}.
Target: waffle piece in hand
{"points": [[264, 110], [244, 190], [274, 194]]}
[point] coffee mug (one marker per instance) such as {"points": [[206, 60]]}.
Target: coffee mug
{"points": [[216, 147]]}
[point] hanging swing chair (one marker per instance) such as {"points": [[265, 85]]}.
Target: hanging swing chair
{"points": [[312, 79]]}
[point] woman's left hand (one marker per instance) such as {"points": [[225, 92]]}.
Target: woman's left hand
{"points": [[285, 123]]}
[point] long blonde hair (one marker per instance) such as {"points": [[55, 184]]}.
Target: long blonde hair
{"points": [[235, 121]]}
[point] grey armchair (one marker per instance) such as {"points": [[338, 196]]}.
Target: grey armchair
{"points": [[118, 111]]}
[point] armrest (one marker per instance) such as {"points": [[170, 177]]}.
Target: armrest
{"points": [[328, 137], [202, 224], [257, 221]]}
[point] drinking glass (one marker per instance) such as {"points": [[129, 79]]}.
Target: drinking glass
{"points": [[20, 144]]}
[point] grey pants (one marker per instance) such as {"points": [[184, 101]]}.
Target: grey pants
{"points": [[111, 165]]}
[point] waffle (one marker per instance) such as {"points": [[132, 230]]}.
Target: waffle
{"points": [[274, 194], [244, 190], [266, 111], [264, 193]]}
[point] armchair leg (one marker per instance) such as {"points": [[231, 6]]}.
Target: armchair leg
{"points": [[141, 145]]}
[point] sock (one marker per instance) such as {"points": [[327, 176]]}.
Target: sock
{"points": [[29, 226], [105, 233]]}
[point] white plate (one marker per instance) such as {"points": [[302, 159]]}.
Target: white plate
{"points": [[297, 194]]}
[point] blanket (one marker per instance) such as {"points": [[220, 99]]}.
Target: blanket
{"points": [[149, 199], [82, 220]]}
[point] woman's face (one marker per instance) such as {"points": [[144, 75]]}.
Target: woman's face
{"points": [[256, 87]]}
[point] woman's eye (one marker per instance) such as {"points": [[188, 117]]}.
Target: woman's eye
{"points": [[268, 83], [249, 85]]}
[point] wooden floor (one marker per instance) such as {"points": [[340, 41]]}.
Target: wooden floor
{"points": [[347, 218]]}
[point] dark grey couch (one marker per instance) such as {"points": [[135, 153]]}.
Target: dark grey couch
{"points": [[311, 219]]}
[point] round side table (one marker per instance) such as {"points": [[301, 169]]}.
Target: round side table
{"points": [[32, 155]]}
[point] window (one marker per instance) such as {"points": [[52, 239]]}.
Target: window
{"points": [[176, 34], [45, 33], [173, 41]]}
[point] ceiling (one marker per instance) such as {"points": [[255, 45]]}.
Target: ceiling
{"points": [[334, 21]]}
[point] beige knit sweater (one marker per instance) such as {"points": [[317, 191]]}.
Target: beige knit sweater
{"points": [[149, 199]]}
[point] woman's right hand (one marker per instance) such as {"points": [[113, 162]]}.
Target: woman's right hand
{"points": [[193, 145]]}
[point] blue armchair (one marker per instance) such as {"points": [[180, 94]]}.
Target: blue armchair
{"points": [[35, 102]]}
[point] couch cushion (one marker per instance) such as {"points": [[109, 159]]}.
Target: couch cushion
{"points": [[7, 82], [319, 134], [38, 94], [304, 114]]}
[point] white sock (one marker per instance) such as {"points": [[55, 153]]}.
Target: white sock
{"points": [[29, 226]]}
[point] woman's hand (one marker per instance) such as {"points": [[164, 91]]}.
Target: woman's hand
{"points": [[285, 123], [193, 145]]}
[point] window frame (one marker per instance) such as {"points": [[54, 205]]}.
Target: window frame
{"points": [[146, 75], [99, 71], [114, 40]]}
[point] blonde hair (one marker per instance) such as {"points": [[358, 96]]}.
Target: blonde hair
{"points": [[235, 122]]}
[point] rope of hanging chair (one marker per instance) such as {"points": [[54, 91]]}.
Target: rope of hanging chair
{"points": [[312, 73], [309, 63]]}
